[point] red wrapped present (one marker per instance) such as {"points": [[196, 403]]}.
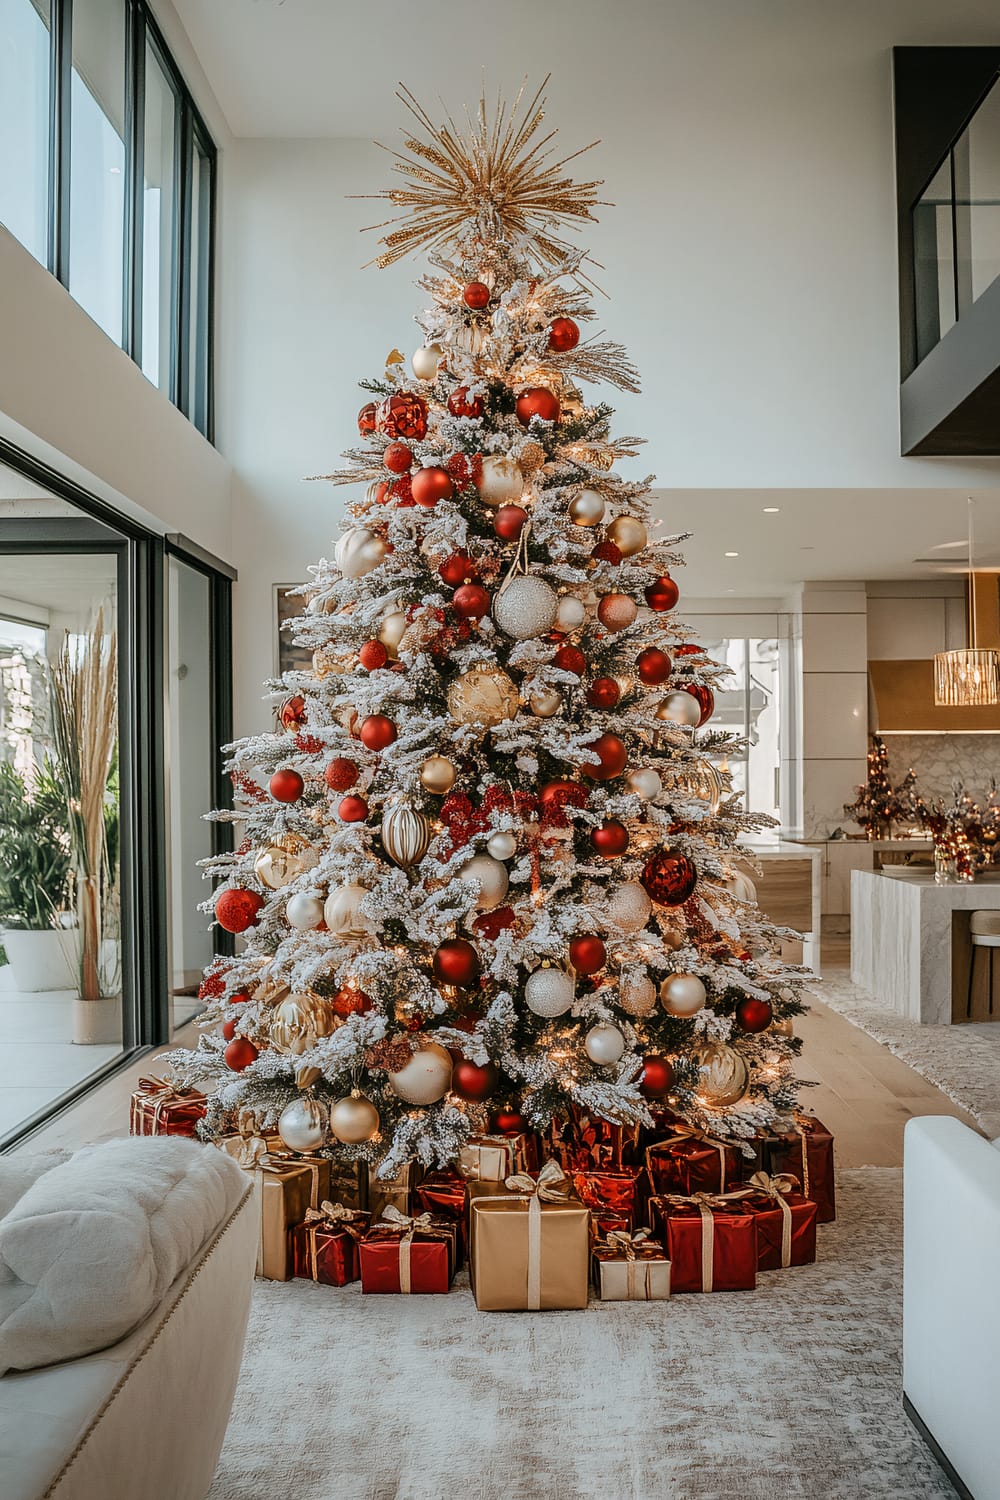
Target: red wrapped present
{"points": [[159, 1107], [604, 1222], [407, 1255], [442, 1194], [614, 1189], [325, 1244], [710, 1240], [583, 1141], [807, 1155], [786, 1222], [692, 1162], [631, 1268]]}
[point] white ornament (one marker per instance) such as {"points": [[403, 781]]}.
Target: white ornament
{"points": [[645, 783], [570, 613], [545, 703], [501, 481], [682, 995], [426, 1078], [501, 845], [525, 607], [604, 1044], [680, 708], [359, 551], [342, 914], [586, 508], [391, 631], [549, 992], [425, 361], [629, 906], [636, 992], [304, 910], [490, 876], [303, 1124]]}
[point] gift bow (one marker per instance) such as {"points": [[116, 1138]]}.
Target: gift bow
{"points": [[776, 1188], [548, 1186], [409, 1224], [165, 1088], [336, 1215], [621, 1239]]}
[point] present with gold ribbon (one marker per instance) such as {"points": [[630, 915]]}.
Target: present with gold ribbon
{"points": [[443, 1195], [159, 1107], [690, 1161], [786, 1222], [603, 1221], [325, 1244], [631, 1268], [392, 1192], [805, 1153], [494, 1158], [408, 1254], [710, 1239], [529, 1242], [285, 1186]]}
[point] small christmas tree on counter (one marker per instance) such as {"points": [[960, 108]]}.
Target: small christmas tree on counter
{"points": [[879, 804], [488, 857]]}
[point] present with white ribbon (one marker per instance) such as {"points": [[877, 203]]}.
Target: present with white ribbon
{"points": [[529, 1242]]}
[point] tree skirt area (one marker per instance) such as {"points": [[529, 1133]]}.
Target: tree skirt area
{"points": [[792, 1390], [963, 1061]]}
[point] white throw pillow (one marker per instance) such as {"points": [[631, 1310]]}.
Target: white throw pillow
{"points": [[19, 1171], [92, 1246]]}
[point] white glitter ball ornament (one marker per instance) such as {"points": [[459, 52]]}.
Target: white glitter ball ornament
{"points": [[525, 607]]}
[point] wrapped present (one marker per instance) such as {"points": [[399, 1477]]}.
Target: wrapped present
{"points": [[805, 1153], [692, 1162], [443, 1195], [615, 1189], [603, 1221], [325, 1245], [393, 1192], [159, 1107], [408, 1255], [582, 1141], [529, 1242], [494, 1158], [786, 1222], [710, 1239], [285, 1186], [631, 1268], [349, 1184]]}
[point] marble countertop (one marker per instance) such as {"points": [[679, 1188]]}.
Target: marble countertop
{"points": [[778, 849], [926, 877]]}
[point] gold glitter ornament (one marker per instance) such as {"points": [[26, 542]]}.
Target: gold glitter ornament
{"points": [[530, 457], [298, 1021], [723, 1076], [483, 695]]}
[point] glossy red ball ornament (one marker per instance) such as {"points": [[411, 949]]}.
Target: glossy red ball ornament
{"points": [[669, 877], [508, 523], [689, 649], [366, 418], [587, 954], [456, 962], [286, 786], [353, 810], [240, 1054], [460, 406], [292, 714], [490, 924], [662, 593], [341, 774], [608, 552], [403, 415], [397, 458], [564, 335], [471, 601], [653, 666], [537, 401], [476, 295], [377, 732], [657, 1077], [609, 839], [228, 1030], [705, 699], [472, 1082], [508, 1122], [457, 569], [613, 754], [349, 1001], [603, 692], [372, 655], [237, 909], [562, 793], [428, 486], [570, 659], [754, 1015]]}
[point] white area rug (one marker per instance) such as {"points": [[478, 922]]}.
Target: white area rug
{"points": [[963, 1061], [790, 1391]]}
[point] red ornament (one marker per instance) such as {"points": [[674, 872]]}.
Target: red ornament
{"points": [[663, 594], [240, 1054], [570, 659], [349, 1001], [537, 401], [603, 692], [397, 458], [508, 1122], [754, 1015], [613, 754], [690, 649], [366, 418], [401, 491], [469, 1081], [353, 810], [381, 492], [587, 954], [292, 714], [616, 611], [237, 909], [402, 416], [491, 923], [377, 732], [341, 774], [213, 985], [238, 997], [562, 793], [657, 1077], [705, 699], [456, 962], [654, 666], [607, 551], [428, 486], [457, 569], [471, 601], [228, 1030], [609, 839], [564, 335], [373, 655], [460, 406], [476, 295], [286, 786], [508, 523], [669, 877]]}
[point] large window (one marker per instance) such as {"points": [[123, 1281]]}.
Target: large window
{"points": [[107, 175], [748, 705]]}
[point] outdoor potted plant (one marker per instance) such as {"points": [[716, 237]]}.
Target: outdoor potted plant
{"points": [[40, 936]]}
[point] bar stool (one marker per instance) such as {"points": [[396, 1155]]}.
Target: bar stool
{"points": [[984, 931]]}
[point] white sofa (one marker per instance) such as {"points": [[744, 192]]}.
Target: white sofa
{"points": [[951, 1298], [144, 1419]]}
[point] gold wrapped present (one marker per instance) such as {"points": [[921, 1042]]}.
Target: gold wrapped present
{"points": [[631, 1268], [493, 1158], [529, 1242], [285, 1186], [393, 1192]]}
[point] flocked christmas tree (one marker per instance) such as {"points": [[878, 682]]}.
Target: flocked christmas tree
{"points": [[487, 866]]}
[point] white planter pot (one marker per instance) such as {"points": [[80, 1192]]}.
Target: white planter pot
{"points": [[47, 960], [97, 1022]]}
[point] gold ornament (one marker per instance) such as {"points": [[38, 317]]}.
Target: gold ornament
{"points": [[359, 551], [679, 708], [782, 1028], [525, 607], [723, 1076], [672, 938], [328, 663], [645, 783], [628, 534], [490, 876], [438, 774], [530, 456], [587, 508], [617, 611], [298, 1021], [392, 630], [354, 1119], [305, 1077], [426, 1078], [426, 361], [342, 915], [483, 695], [629, 907], [281, 863], [682, 995], [501, 845], [636, 992], [501, 481], [545, 703], [406, 834], [703, 779], [303, 1124]]}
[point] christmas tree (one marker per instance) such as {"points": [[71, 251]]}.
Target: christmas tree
{"points": [[487, 864], [879, 804]]}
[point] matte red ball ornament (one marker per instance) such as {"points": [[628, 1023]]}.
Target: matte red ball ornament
{"points": [[397, 458], [471, 601], [608, 552], [292, 714], [657, 1077], [460, 406], [228, 1030], [472, 1082], [476, 295], [613, 754], [705, 699], [508, 523], [587, 954], [754, 1015], [609, 839], [537, 401], [653, 666], [240, 1054], [570, 659], [403, 415], [564, 335], [349, 1001], [457, 569], [366, 418], [237, 909], [616, 611], [456, 962], [286, 785], [428, 486], [377, 732], [603, 692], [669, 877], [373, 655], [662, 593], [353, 810], [341, 774], [508, 1122]]}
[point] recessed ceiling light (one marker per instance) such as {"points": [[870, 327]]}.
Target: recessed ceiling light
{"points": [[732, 554], [771, 510]]}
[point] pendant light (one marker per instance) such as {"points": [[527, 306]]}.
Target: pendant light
{"points": [[969, 678]]}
